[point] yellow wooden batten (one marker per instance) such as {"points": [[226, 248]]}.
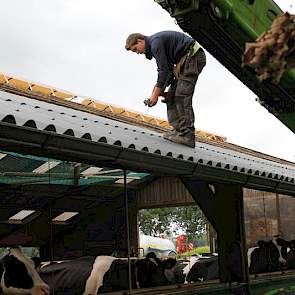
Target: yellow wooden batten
{"points": [[34, 88]]}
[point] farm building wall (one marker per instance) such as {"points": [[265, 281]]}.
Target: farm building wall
{"points": [[268, 214], [164, 192]]}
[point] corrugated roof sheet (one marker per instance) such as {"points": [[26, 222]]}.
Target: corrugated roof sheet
{"points": [[40, 115], [41, 92]]}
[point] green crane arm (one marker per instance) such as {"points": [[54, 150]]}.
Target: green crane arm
{"points": [[223, 27]]}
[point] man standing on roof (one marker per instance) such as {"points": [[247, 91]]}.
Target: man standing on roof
{"points": [[180, 60]]}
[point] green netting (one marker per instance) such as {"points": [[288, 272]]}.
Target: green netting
{"points": [[33, 158], [25, 169]]}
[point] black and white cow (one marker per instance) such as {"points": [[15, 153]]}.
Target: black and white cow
{"points": [[291, 255], [264, 258], [178, 274], [194, 269], [19, 276], [91, 276], [206, 268], [151, 270], [272, 255], [283, 248]]}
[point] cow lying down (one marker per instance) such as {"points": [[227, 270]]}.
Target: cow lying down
{"points": [[194, 269], [19, 276], [273, 255], [90, 275], [102, 274]]}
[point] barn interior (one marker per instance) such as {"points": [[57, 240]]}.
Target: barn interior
{"points": [[68, 209], [65, 209]]}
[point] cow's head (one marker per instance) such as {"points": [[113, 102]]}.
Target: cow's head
{"points": [[151, 271], [19, 276]]}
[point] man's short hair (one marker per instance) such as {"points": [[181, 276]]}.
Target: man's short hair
{"points": [[132, 39]]}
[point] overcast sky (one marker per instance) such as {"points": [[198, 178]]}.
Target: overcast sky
{"points": [[78, 46]]}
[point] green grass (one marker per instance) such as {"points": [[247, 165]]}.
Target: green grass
{"points": [[195, 251]]}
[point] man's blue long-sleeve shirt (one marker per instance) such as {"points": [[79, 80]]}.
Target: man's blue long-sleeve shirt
{"points": [[167, 47]]}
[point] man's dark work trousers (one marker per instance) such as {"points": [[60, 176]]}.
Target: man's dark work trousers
{"points": [[179, 99]]}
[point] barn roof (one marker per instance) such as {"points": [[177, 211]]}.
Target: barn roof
{"points": [[62, 132]]}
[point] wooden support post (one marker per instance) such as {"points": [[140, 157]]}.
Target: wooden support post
{"points": [[223, 206]]}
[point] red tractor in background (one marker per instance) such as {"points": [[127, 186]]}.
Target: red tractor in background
{"points": [[182, 244]]}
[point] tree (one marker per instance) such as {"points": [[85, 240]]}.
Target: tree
{"points": [[189, 219], [153, 222]]}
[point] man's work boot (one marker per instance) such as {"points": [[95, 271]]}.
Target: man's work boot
{"points": [[188, 139], [167, 134]]}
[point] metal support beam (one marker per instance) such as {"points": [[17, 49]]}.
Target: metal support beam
{"points": [[76, 176], [223, 206]]}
